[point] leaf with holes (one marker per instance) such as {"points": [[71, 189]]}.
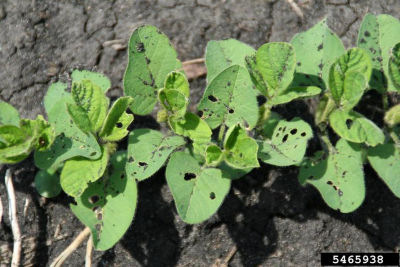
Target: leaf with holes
{"points": [[230, 99], [288, 143], [151, 58], [198, 191], [97, 78], [108, 205], [339, 178], [47, 183], [354, 127], [78, 172], [92, 104], [378, 35], [223, 54], [173, 101], [385, 159], [147, 152], [240, 150], [8, 114], [116, 124], [273, 67], [349, 76], [316, 50], [392, 116], [214, 155], [394, 66]]}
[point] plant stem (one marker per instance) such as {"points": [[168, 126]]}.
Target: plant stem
{"points": [[221, 133], [385, 101], [12, 211], [71, 248], [330, 104], [326, 142], [89, 249]]}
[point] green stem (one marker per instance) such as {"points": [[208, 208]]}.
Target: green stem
{"points": [[265, 112], [326, 142], [385, 101], [221, 133], [327, 110]]}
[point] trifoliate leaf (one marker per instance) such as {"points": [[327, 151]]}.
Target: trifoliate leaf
{"points": [[288, 143], [198, 192], [316, 49], [116, 124], [108, 205], [79, 171], [339, 177], [392, 116], [355, 128], [147, 152], [8, 114], [223, 54], [193, 127], [151, 58], [47, 183], [230, 99], [240, 149], [97, 78], [214, 155]]}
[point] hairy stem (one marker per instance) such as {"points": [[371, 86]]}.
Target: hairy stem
{"points": [[221, 133]]}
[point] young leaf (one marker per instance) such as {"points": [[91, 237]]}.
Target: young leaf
{"points": [[223, 54], [275, 64], [339, 178], [193, 127], [198, 192], [270, 124], [378, 35], [288, 143], [116, 124], [15, 144], [47, 183], [108, 205], [8, 114], [97, 78], [394, 66], [385, 159], [230, 99], [392, 116], [177, 81], [316, 50], [240, 150], [214, 155], [150, 48], [354, 127], [79, 171], [348, 77], [147, 152], [173, 101], [294, 93], [90, 98], [80, 118], [232, 173]]}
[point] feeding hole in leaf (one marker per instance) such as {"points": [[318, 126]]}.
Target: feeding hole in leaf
{"points": [[42, 142], [261, 100], [303, 134], [140, 47], [367, 34], [212, 98], [96, 209], [349, 123], [320, 46], [293, 131], [285, 137], [340, 193], [92, 154], [130, 160], [231, 111], [189, 176], [119, 125], [122, 175], [99, 216], [200, 113], [94, 199], [212, 195], [98, 227], [142, 164]]}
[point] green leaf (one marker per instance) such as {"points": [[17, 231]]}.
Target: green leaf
{"points": [[385, 159], [57, 98], [91, 99], [177, 81], [8, 114], [394, 66], [116, 124], [198, 192], [214, 155], [79, 171], [193, 127], [316, 49], [230, 99], [294, 93], [42, 132], [97, 78], [378, 35], [392, 116], [108, 205], [15, 144], [339, 177], [223, 54], [288, 143], [232, 173], [270, 124], [240, 149], [80, 118], [274, 64], [47, 183], [348, 77], [355, 128], [151, 58], [147, 152], [173, 101]]}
